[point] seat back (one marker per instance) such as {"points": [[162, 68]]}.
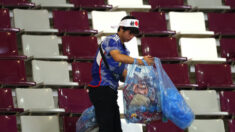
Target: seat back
{"points": [[6, 100], [207, 126], [8, 123], [69, 123], [125, 2], [131, 127], [162, 127], [227, 47], [205, 3], [49, 2], [82, 73], [87, 2], [227, 100], [162, 3], [231, 125], [5, 18], [8, 46], [132, 46]]}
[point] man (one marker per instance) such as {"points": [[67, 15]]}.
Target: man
{"points": [[105, 77]]}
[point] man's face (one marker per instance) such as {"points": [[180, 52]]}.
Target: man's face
{"points": [[127, 36]]}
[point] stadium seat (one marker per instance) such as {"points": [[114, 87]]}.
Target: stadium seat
{"points": [[82, 73], [128, 5], [74, 101], [230, 3], [8, 46], [12, 73], [207, 4], [72, 22], [6, 102], [188, 24], [91, 4], [53, 3], [168, 5], [214, 76], [131, 127], [231, 125], [80, 47], [5, 23], [33, 21], [51, 73], [69, 123], [221, 23], [41, 47], [132, 46], [37, 100], [159, 126], [203, 102], [179, 74], [109, 23], [200, 50], [213, 125], [152, 23], [165, 48], [17, 3], [120, 101], [227, 49], [39, 124], [8, 123], [227, 100]]}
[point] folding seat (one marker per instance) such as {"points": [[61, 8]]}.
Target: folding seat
{"points": [[203, 102], [165, 48], [12, 73], [8, 47], [74, 101], [35, 21], [42, 47], [207, 4], [120, 102], [6, 102], [231, 125], [53, 3], [227, 49], [188, 23], [227, 100], [80, 47], [200, 50], [17, 3], [51, 73], [131, 127], [230, 3], [5, 23], [37, 100], [222, 23], [39, 124], [82, 73], [168, 5], [91, 4], [179, 74], [132, 46], [8, 123], [153, 23], [72, 22], [109, 23], [214, 76], [213, 125], [159, 126], [128, 5], [69, 123]]}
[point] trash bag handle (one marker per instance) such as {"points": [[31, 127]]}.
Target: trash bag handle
{"points": [[145, 63]]}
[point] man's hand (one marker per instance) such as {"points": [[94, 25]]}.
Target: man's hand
{"points": [[149, 60]]}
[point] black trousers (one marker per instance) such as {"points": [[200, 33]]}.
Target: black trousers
{"points": [[107, 112]]}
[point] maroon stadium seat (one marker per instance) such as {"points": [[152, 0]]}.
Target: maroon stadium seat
{"points": [[227, 101], [168, 4], [91, 4], [8, 124], [5, 23], [227, 49], [69, 123], [159, 126], [231, 125], [17, 3], [230, 3]]}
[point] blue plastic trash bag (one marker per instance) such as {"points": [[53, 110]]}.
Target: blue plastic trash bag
{"points": [[141, 95], [87, 121]]}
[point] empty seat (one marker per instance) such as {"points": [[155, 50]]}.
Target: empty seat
{"points": [[91, 4], [80, 47], [203, 102], [231, 125], [8, 46], [12, 72], [128, 5], [132, 46], [188, 23], [39, 124], [33, 21], [8, 123], [159, 126], [207, 126], [72, 22], [109, 23], [131, 127], [69, 123], [152, 23], [227, 49], [200, 49], [42, 47], [230, 3], [207, 4], [82, 73], [164, 48], [227, 100], [222, 23], [36, 100], [214, 76], [179, 74], [6, 102], [5, 23], [17, 3], [52, 73], [53, 3], [73, 100], [168, 4]]}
